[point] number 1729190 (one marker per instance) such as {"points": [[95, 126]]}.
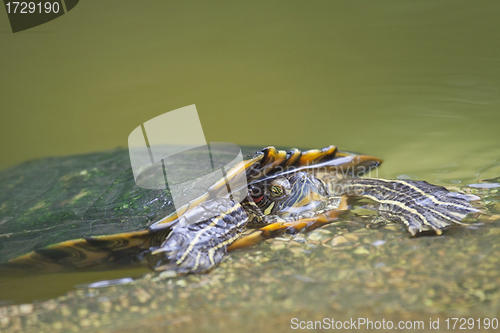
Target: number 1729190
{"points": [[470, 323], [32, 7]]}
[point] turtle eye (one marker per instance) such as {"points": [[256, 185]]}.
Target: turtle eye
{"points": [[279, 188], [277, 191]]}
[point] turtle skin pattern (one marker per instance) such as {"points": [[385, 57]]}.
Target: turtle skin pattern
{"points": [[195, 238]]}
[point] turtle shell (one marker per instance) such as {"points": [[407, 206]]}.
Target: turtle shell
{"points": [[56, 199]]}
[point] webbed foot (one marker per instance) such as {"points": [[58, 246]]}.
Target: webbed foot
{"points": [[417, 204], [198, 242]]}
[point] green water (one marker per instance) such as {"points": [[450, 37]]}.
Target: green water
{"points": [[415, 83]]}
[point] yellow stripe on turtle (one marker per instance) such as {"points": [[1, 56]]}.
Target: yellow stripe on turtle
{"points": [[90, 253], [267, 160]]}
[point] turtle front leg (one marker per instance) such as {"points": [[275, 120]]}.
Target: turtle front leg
{"points": [[198, 242], [277, 228], [417, 204]]}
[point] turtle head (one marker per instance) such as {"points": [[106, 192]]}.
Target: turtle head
{"points": [[292, 184], [290, 195]]}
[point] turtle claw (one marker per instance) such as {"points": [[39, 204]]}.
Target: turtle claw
{"points": [[413, 230]]}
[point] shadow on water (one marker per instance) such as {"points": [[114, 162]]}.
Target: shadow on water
{"points": [[19, 287]]}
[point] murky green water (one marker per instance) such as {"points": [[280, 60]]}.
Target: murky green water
{"points": [[415, 83]]}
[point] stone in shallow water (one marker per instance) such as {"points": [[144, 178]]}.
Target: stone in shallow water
{"points": [[278, 246], [318, 235], [300, 238], [361, 251], [339, 240], [351, 237], [26, 308], [168, 274]]}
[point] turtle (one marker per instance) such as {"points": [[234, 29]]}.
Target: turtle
{"points": [[86, 212]]}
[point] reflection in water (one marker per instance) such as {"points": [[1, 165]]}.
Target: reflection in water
{"points": [[107, 283]]}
